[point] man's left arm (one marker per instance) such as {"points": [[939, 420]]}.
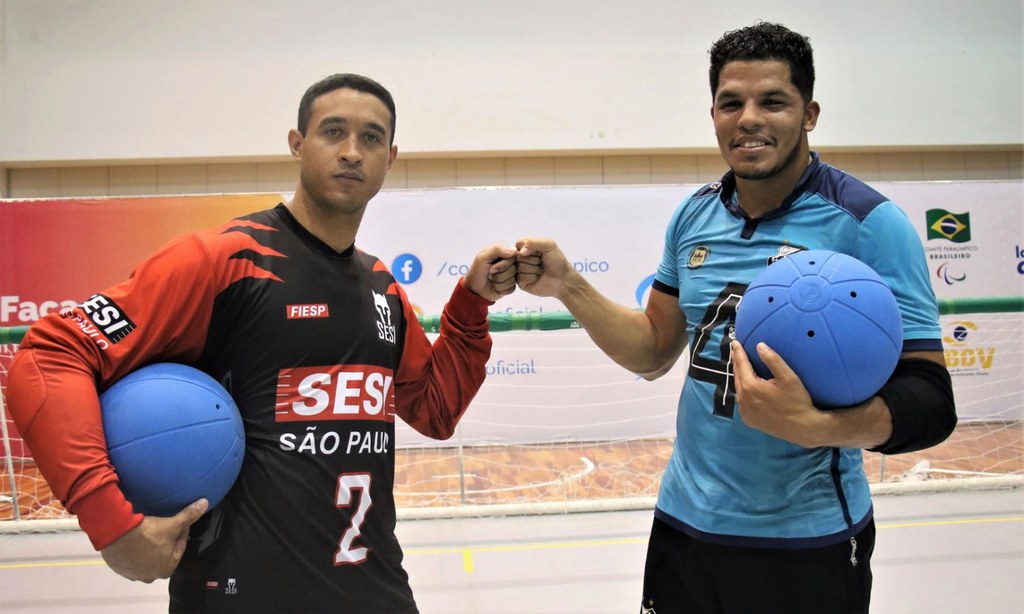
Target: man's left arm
{"points": [[913, 410], [436, 382]]}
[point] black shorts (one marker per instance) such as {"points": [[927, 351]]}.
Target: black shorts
{"points": [[686, 575]]}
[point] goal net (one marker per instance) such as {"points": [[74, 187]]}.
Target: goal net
{"points": [[558, 427]]}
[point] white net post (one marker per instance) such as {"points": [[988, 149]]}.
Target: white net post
{"points": [[12, 497]]}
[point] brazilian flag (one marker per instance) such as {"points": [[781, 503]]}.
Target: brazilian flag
{"points": [[955, 227]]}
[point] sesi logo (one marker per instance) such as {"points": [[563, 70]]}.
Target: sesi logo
{"points": [[385, 329], [337, 392], [107, 317]]}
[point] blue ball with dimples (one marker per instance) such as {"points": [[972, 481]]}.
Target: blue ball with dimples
{"points": [[174, 435], [831, 318]]}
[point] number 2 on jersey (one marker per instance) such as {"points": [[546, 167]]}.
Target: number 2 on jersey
{"points": [[348, 482]]}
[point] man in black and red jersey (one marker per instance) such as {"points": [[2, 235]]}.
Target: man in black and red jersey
{"points": [[297, 322]]}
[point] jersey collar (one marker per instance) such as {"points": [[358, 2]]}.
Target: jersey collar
{"points": [[309, 238], [808, 181]]}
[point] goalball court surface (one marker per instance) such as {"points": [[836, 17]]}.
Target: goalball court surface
{"points": [[938, 553]]}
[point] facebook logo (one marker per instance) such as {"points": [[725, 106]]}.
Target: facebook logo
{"points": [[406, 268]]}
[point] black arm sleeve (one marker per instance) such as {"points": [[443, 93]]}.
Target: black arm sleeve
{"points": [[920, 399]]}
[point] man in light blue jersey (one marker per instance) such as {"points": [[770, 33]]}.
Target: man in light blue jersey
{"points": [[764, 505]]}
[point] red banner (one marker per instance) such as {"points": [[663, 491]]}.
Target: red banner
{"points": [[56, 253]]}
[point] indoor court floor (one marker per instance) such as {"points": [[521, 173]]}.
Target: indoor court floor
{"points": [[936, 554]]}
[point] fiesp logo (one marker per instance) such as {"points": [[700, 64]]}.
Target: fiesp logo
{"points": [[337, 392], [305, 311]]}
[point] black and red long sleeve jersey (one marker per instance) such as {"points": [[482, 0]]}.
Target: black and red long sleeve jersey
{"points": [[320, 351]]}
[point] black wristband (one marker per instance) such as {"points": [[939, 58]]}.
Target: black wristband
{"points": [[920, 399]]}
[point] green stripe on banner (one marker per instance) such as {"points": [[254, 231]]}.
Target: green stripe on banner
{"points": [[12, 334], [505, 322], [994, 304], [562, 320]]}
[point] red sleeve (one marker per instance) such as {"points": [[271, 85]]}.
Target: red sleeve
{"points": [[64, 359], [435, 384]]}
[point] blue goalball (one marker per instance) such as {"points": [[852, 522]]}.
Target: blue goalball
{"points": [[831, 318], [174, 435]]}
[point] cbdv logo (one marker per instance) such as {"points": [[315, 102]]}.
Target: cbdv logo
{"points": [[406, 268], [963, 356]]}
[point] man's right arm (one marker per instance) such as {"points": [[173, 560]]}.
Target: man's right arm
{"points": [[162, 313], [53, 400], [647, 342], [154, 548]]}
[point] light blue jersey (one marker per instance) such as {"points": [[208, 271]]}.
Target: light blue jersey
{"points": [[729, 483]]}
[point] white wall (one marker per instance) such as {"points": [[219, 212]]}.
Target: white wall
{"points": [[85, 80]]}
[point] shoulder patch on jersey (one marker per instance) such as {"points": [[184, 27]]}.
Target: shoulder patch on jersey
{"points": [[785, 250], [711, 188], [698, 256], [846, 191]]}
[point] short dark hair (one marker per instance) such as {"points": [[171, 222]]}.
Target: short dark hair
{"points": [[766, 41], [344, 81]]}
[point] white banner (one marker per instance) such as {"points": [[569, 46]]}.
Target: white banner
{"points": [[554, 386]]}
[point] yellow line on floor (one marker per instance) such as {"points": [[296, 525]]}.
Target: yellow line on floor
{"points": [[468, 552], [469, 566], [50, 564], [529, 546]]}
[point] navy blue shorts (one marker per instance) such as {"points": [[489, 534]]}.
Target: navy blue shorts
{"points": [[686, 575]]}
